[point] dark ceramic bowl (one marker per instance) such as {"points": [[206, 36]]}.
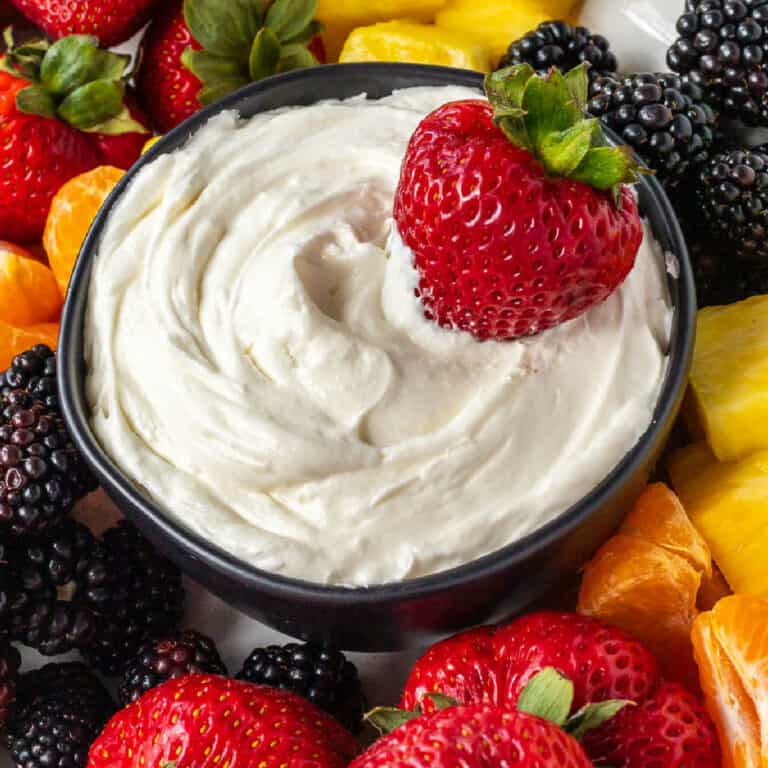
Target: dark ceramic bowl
{"points": [[391, 616]]}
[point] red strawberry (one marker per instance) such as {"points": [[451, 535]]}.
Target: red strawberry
{"points": [[112, 21], [493, 664], [669, 729], [49, 126], [197, 51], [518, 217], [475, 737], [203, 721]]}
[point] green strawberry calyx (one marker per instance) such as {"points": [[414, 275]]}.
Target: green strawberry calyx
{"points": [[247, 40], [546, 116], [73, 80], [548, 695]]}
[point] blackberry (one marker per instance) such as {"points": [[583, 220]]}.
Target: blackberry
{"points": [[146, 600], [56, 580], [733, 196], [319, 673], [558, 44], [664, 119], [722, 46], [183, 653], [10, 661], [71, 677], [56, 725], [42, 474], [721, 279], [35, 372]]}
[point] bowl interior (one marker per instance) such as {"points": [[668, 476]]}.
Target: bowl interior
{"points": [[306, 87]]}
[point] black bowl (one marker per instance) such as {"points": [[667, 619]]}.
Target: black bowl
{"points": [[392, 616]]}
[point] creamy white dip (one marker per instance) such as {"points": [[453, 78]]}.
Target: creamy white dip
{"points": [[260, 365]]}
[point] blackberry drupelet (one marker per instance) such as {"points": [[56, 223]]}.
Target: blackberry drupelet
{"points": [[664, 119], [322, 675], [183, 653], [558, 44], [35, 372], [60, 714], [10, 661], [722, 46], [42, 474], [733, 194], [721, 279], [146, 600]]}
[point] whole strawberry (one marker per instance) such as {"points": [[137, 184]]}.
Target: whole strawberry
{"points": [[538, 731], [475, 736], [197, 51], [664, 728], [493, 664], [63, 111], [204, 721], [112, 21], [517, 212]]}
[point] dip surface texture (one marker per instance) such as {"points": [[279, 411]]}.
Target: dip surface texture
{"points": [[259, 363]]}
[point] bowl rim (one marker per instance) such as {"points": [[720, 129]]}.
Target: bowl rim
{"points": [[136, 504]]}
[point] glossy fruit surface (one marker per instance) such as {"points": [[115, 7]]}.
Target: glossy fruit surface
{"points": [[29, 293]]}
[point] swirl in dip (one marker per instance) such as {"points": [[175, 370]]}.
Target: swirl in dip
{"points": [[260, 365]]}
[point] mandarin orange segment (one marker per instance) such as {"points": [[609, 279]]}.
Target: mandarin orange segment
{"points": [[14, 341], [29, 292], [648, 592], [731, 647], [659, 517], [72, 212], [650, 578]]}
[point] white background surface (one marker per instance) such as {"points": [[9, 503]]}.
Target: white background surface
{"points": [[640, 32]]}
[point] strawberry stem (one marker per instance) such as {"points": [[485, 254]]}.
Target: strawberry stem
{"points": [[545, 116]]}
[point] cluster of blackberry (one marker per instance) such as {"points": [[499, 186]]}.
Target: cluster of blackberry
{"points": [[676, 122]]}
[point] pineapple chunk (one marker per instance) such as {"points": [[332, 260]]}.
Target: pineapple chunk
{"points": [[729, 380], [418, 43], [728, 503], [340, 17], [498, 22]]}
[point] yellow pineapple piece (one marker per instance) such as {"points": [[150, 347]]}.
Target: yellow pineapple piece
{"points": [[498, 22], [729, 381], [340, 17], [728, 503], [417, 43]]}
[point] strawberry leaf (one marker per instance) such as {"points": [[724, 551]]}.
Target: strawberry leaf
{"points": [[607, 167], [35, 100], [562, 152], [505, 87], [549, 107], [296, 56], [386, 719], [288, 18], [92, 104], [265, 54], [219, 75], [593, 716], [115, 126], [68, 64], [548, 695], [441, 701], [311, 31], [577, 82], [224, 27]]}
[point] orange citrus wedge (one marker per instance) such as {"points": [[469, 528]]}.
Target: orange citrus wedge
{"points": [[29, 293], [72, 212], [649, 580], [731, 647]]}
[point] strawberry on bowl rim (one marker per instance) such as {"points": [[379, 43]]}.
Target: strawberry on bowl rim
{"points": [[389, 616]]}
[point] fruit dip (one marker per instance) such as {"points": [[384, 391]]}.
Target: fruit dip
{"points": [[259, 362]]}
